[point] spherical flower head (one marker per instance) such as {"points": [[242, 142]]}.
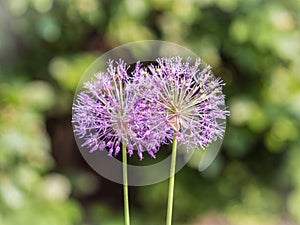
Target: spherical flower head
{"points": [[110, 111], [192, 100]]}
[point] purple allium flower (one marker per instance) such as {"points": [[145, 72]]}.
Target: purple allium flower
{"points": [[110, 110], [190, 98]]}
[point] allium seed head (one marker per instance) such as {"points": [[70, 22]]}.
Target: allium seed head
{"points": [[111, 110], [191, 99]]}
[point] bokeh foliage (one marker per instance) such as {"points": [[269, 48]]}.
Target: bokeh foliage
{"points": [[254, 45]]}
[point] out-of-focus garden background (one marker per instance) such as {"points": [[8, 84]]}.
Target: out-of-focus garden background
{"points": [[46, 45]]}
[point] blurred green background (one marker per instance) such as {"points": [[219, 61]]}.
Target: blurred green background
{"points": [[46, 45]]}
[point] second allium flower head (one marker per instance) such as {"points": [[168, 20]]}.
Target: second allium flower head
{"points": [[145, 108], [192, 98]]}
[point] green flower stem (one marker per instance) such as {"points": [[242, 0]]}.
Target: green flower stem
{"points": [[125, 185], [171, 182]]}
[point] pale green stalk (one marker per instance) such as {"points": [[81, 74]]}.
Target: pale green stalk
{"points": [[171, 182], [125, 185]]}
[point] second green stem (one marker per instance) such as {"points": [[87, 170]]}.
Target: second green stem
{"points": [[125, 185]]}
